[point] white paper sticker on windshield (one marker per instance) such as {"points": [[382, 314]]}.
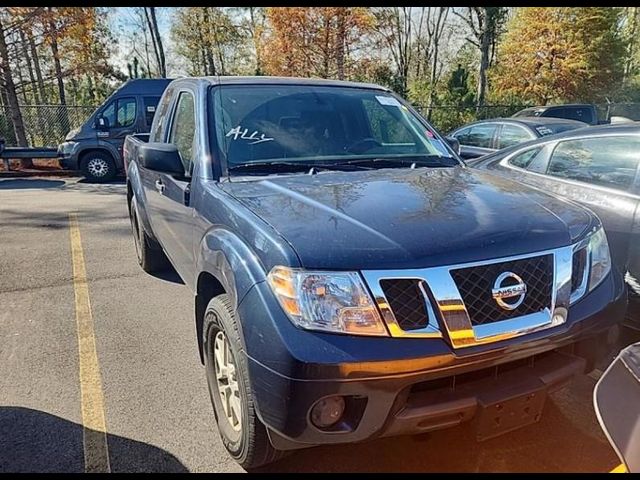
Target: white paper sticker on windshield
{"points": [[391, 101]]}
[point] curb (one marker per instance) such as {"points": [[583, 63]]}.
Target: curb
{"points": [[41, 173]]}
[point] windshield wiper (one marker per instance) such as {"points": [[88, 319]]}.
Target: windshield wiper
{"points": [[418, 161], [284, 166], [275, 165]]}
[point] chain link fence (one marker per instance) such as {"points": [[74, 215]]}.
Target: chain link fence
{"points": [[45, 125], [449, 117]]}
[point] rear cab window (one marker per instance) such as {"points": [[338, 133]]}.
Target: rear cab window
{"points": [[582, 114]]}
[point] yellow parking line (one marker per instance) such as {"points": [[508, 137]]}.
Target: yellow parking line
{"points": [[96, 450]]}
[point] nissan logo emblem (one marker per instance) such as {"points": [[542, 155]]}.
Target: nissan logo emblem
{"points": [[507, 286]]}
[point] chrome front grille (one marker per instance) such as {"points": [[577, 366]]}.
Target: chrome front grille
{"points": [[475, 285], [458, 302], [407, 302]]}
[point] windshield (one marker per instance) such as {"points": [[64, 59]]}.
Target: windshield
{"points": [[528, 112], [318, 126]]}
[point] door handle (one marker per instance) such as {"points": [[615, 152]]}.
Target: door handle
{"points": [[160, 186]]}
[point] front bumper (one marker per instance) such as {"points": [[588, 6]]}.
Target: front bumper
{"points": [[401, 385], [68, 155], [408, 385]]}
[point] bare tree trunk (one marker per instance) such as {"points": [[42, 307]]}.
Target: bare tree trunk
{"points": [[485, 46], [12, 97], [156, 34], [211, 70], [326, 54], [153, 37], [64, 116], [340, 42], [632, 43], [256, 40], [32, 77], [38, 70]]}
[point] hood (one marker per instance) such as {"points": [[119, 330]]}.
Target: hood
{"points": [[72, 134], [409, 218]]}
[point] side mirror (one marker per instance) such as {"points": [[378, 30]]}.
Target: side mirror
{"points": [[453, 143], [617, 403], [161, 157], [102, 123]]}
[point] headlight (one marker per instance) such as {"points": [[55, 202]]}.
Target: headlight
{"points": [[600, 258], [328, 301], [67, 147]]}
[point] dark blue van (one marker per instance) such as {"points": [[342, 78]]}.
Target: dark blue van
{"points": [[95, 148]]}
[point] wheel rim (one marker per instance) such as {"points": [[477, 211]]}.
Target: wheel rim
{"points": [[227, 381], [98, 167]]}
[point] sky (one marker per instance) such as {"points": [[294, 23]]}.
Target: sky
{"points": [[122, 20]]}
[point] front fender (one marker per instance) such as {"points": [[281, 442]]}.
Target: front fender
{"points": [[228, 258], [100, 145]]}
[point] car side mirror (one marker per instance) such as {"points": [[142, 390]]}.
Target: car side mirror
{"points": [[161, 157], [102, 123], [453, 143], [617, 403]]}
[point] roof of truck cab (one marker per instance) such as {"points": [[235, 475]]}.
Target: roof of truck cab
{"points": [[140, 86], [266, 80]]}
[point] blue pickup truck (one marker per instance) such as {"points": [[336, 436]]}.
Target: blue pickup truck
{"points": [[352, 278]]}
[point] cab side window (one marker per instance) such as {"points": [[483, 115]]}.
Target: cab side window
{"points": [[481, 135], [150, 104], [121, 113], [513, 135], [524, 159], [606, 161], [462, 136], [158, 132], [183, 129]]}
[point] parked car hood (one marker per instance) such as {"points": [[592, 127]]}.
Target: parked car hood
{"points": [[409, 218]]}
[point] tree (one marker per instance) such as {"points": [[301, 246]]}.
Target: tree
{"points": [[158, 48], [10, 89], [394, 26], [561, 54], [314, 41], [208, 38], [485, 24], [631, 19], [255, 26]]}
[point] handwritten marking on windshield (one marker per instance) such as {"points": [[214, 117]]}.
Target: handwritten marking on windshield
{"points": [[239, 132]]}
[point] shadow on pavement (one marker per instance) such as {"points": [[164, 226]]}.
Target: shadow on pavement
{"points": [[168, 275], [34, 441], [23, 183], [116, 181]]}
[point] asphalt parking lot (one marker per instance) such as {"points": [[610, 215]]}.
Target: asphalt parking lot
{"points": [[128, 338]]}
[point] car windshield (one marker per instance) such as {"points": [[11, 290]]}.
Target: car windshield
{"points": [[288, 127], [528, 112]]}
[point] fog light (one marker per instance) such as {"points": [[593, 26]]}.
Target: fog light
{"points": [[327, 412]]}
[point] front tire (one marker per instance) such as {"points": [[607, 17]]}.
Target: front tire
{"points": [[98, 167], [242, 433], [150, 255]]}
